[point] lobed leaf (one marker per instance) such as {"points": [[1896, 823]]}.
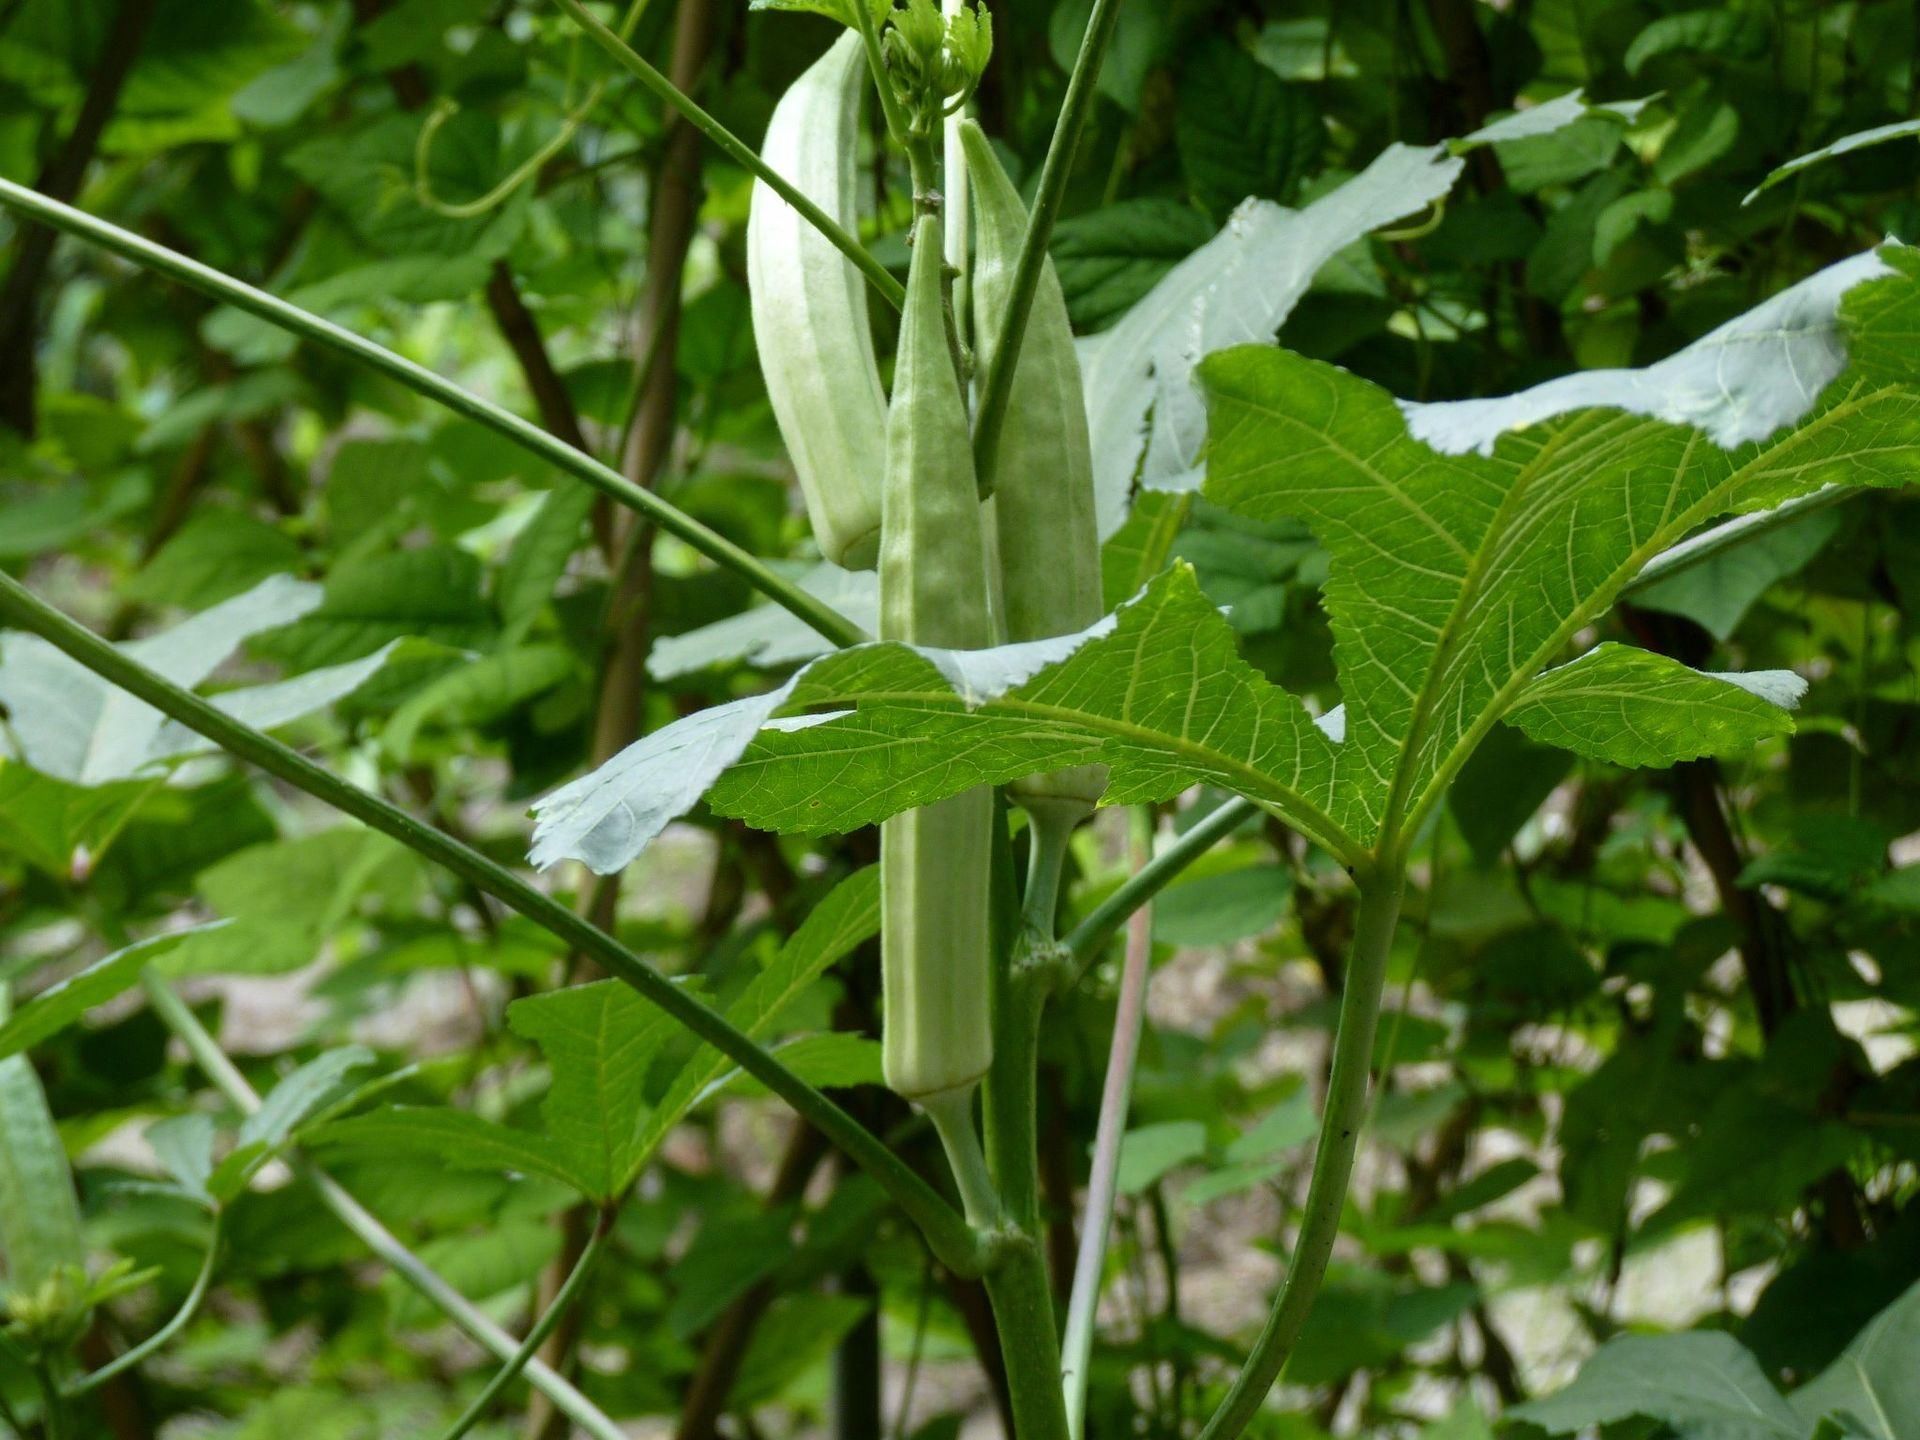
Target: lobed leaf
{"points": [[1456, 577]]}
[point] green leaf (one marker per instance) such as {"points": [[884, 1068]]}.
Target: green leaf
{"points": [[1159, 694], [1242, 130], [539, 555], [1704, 1385], [432, 593], [450, 1137], [1846, 144], [214, 556], [1716, 593], [1220, 909], [1632, 707], [1107, 259], [290, 1104], [599, 1040], [798, 1334], [849, 916], [68, 723], [1151, 1151], [1735, 32], [39, 1212], [59, 1006], [1456, 577], [1875, 1385], [62, 827], [478, 693]]}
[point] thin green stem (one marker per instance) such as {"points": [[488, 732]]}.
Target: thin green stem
{"points": [[1049, 838], [189, 1307], [1090, 936], [952, 1114], [524, 433], [998, 389], [53, 1409], [563, 1301], [736, 150], [947, 1232], [877, 64], [226, 1078], [1340, 1125]]}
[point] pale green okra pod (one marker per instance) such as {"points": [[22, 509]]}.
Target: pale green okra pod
{"points": [[809, 307], [1047, 533], [935, 861]]}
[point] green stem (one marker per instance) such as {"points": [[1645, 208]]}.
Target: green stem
{"points": [[226, 1078], [53, 1409], [1049, 839], [1090, 936], [736, 150], [998, 389], [951, 1238], [528, 436], [563, 1300], [188, 1309], [1023, 1317], [877, 65], [1379, 912], [952, 1114]]}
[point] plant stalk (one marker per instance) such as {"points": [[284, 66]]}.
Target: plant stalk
{"points": [[524, 433], [1090, 936], [891, 290], [226, 1078], [178, 1322], [561, 1303], [998, 388], [1379, 912], [951, 1238]]}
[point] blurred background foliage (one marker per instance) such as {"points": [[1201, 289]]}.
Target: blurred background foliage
{"points": [[1656, 1066]]}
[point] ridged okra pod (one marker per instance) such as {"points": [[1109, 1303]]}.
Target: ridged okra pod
{"points": [[809, 307], [935, 861], [1048, 535]]}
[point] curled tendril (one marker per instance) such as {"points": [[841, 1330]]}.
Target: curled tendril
{"points": [[447, 108], [1421, 230]]}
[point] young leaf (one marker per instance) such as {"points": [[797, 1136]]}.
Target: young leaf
{"points": [[1632, 707]]}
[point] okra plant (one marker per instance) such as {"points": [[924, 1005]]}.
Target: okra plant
{"points": [[1009, 646]]}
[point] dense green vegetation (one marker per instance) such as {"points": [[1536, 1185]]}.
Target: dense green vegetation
{"points": [[1511, 863]]}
